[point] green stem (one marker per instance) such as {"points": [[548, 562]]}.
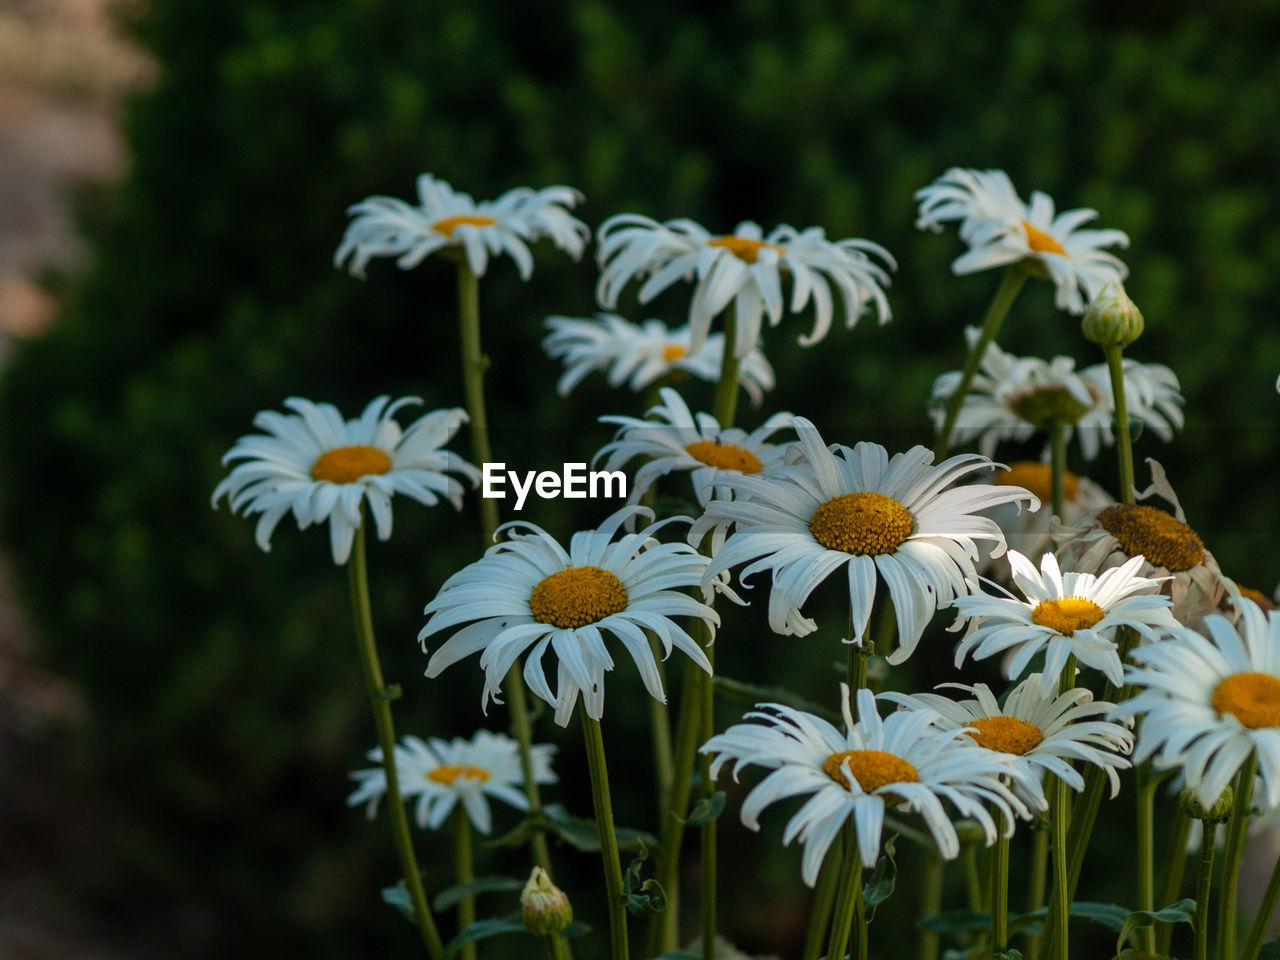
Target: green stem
{"points": [[824, 898], [1035, 896], [608, 839], [1014, 277], [1058, 464], [708, 891], [555, 947], [380, 697], [1231, 858], [930, 903], [1060, 905], [850, 910], [1204, 882], [1146, 796], [972, 879], [464, 873], [1124, 443], [726, 401], [1173, 872], [1266, 910], [1000, 893]]}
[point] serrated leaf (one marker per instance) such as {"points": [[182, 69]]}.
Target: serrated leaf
{"points": [[483, 929], [398, 897], [707, 809], [454, 895], [1184, 911], [752, 694], [643, 898], [879, 887]]}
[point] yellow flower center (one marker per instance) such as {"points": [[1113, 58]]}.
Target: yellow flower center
{"points": [[744, 248], [864, 524], [1258, 597], [1066, 615], [1005, 734], [724, 456], [1159, 536], [872, 769], [1041, 242], [1042, 406], [1252, 698], [576, 597], [448, 774], [673, 352], [349, 464], [450, 224], [1036, 477]]}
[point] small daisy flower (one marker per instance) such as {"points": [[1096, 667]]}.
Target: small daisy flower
{"points": [[530, 592], [324, 468], [1063, 615], [901, 518], [744, 269], [639, 354], [675, 439], [1000, 229], [1208, 702], [442, 773], [903, 761], [1027, 532], [447, 219], [1046, 731]]}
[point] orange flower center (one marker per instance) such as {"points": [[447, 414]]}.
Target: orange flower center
{"points": [[1066, 615], [724, 456], [1036, 477], [673, 352], [1258, 597], [872, 769], [349, 464], [1041, 242], [744, 248], [450, 224], [1005, 734], [1252, 698], [1159, 536], [448, 774], [864, 524], [576, 597]]}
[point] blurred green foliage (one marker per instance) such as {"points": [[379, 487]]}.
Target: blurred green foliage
{"points": [[223, 682]]}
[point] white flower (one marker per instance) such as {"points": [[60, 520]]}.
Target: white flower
{"points": [[674, 439], [903, 759], [902, 518], [442, 773], [387, 227], [530, 592], [321, 467], [639, 354], [744, 269], [1208, 702], [1000, 229], [1063, 615]]}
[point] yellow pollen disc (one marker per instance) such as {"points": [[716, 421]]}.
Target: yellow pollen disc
{"points": [[448, 774], [1252, 698], [744, 248], [349, 464], [872, 769], [576, 597], [673, 352], [1159, 536], [450, 224], [864, 524], [1258, 597], [1067, 614], [1036, 477], [1041, 242], [724, 456], [1005, 734]]}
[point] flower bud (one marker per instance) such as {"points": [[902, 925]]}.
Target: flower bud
{"points": [[1113, 320], [1219, 811], [545, 907]]}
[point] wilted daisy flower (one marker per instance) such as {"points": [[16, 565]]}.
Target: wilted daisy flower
{"points": [[1027, 532], [1046, 731], [903, 518], [639, 354], [675, 439], [1207, 703], [442, 773], [529, 591], [325, 468], [1063, 615], [1000, 229], [903, 761], [387, 227], [744, 269]]}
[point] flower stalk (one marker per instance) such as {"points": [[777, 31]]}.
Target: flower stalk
{"points": [[850, 913], [608, 838], [1145, 794], [1231, 855], [1000, 891], [1124, 442], [1204, 883], [464, 873]]}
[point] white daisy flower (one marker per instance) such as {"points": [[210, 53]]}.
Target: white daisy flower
{"points": [[1063, 615], [1046, 731], [529, 591], [639, 354], [1029, 533], [675, 439], [324, 468], [1208, 702], [1000, 229], [446, 218], [838, 507], [903, 761], [442, 773], [744, 269]]}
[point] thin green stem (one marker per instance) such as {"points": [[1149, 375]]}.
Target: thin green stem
{"points": [[555, 947], [608, 838], [1000, 892], [1035, 887], [1058, 464], [824, 898], [1060, 903], [1266, 910], [930, 902], [1173, 872], [1124, 442], [1014, 277], [850, 911], [1204, 883], [726, 401], [380, 697], [972, 879], [1231, 858], [1146, 796], [707, 911], [464, 873]]}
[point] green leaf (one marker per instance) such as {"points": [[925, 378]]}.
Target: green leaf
{"points": [[643, 898], [582, 834], [1184, 911], [519, 835], [482, 929], [679, 955], [879, 887], [956, 921], [1270, 950], [707, 809], [1008, 955], [453, 895], [752, 694], [398, 897], [1109, 915]]}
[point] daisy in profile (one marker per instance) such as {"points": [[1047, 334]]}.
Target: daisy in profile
{"points": [[744, 269], [444, 773], [446, 219], [674, 439], [902, 519], [528, 593], [1027, 532], [904, 761], [326, 469], [1000, 229], [1208, 702], [640, 354], [1063, 615]]}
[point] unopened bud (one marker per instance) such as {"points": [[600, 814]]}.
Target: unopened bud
{"points": [[1219, 811], [1113, 320], [545, 907]]}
